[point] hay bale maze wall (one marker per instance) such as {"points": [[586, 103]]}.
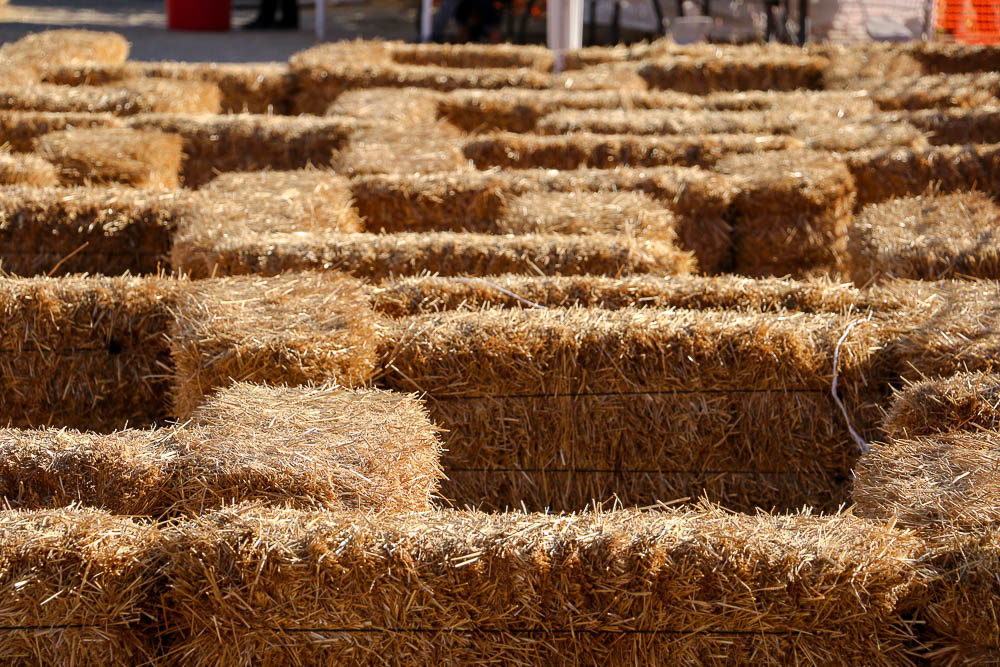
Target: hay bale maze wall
{"points": [[266, 327]]}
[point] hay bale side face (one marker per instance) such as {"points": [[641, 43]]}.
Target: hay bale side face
{"points": [[473, 56], [60, 231], [939, 482], [27, 170], [926, 238], [247, 142], [959, 126], [511, 587], [963, 402], [145, 159], [76, 587], [556, 408], [792, 214], [668, 122], [244, 88], [85, 352], [574, 151], [20, 129], [331, 447], [430, 294], [703, 75], [292, 330], [378, 256], [130, 97]]}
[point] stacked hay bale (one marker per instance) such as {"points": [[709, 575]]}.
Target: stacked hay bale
{"points": [[321, 447], [704, 74], [98, 156], [556, 408], [662, 587], [294, 329], [27, 57], [458, 200], [85, 352], [106, 230], [128, 98], [28, 170], [20, 129], [966, 91], [929, 237], [247, 142], [959, 126]]}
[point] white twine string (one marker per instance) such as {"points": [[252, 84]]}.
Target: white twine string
{"points": [[501, 289], [863, 446]]}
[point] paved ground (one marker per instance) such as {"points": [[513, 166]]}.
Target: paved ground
{"points": [[143, 23]]}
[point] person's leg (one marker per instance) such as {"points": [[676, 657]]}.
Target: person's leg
{"points": [[441, 17], [290, 14], [265, 15]]}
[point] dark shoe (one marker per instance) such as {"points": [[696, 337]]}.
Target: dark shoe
{"points": [[259, 24]]}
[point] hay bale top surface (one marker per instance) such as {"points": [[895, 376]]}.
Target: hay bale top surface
{"points": [[126, 98], [142, 158], [427, 294], [21, 128], [962, 402], [303, 200], [927, 237], [264, 127], [452, 56], [410, 106], [28, 170], [66, 47]]}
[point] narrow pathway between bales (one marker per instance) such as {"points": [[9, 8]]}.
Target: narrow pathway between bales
{"points": [[143, 23]]}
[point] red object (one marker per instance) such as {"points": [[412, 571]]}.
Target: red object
{"points": [[198, 14], [970, 21]]}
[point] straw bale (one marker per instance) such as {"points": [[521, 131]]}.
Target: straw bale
{"points": [[244, 87], [301, 200], [76, 588], [143, 159], [27, 170], [260, 586], [939, 91], [966, 402], [19, 129], [323, 72], [672, 121], [952, 327], [865, 64], [108, 230], [861, 134], [926, 238], [401, 297], [556, 408], [377, 256], [705, 74], [959, 126], [881, 174], [249, 142], [50, 48], [954, 58], [408, 106], [397, 203], [292, 329], [791, 214], [473, 56], [327, 447], [127, 98], [86, 353], [840, 103], [622, 77], [393, 147], [604, 151]]}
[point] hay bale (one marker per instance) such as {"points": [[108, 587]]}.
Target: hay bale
{"points": [[401, 297], [27, 170], [390, 147], [881, 174], [963, 402], [377, 256], [327, 447], [294, 329], [558, 408], [86, 353], [701, 75], [525, 151], [473, 56], [323, 72], [109, 230], [954, 58], [247, 142], [926, 238], [268, 586], [840, 103], [869, 64], [959, 126], [398, 203], [671, 122], [861, 134], [142, 159], [76, 588], [20, 129], [936, 91], [791, 214], [623, 77], [408, 106], [136, 96], [35, 52]]}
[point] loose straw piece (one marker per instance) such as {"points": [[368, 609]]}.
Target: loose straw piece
{"points": [[863, 446], [501, 289]]}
